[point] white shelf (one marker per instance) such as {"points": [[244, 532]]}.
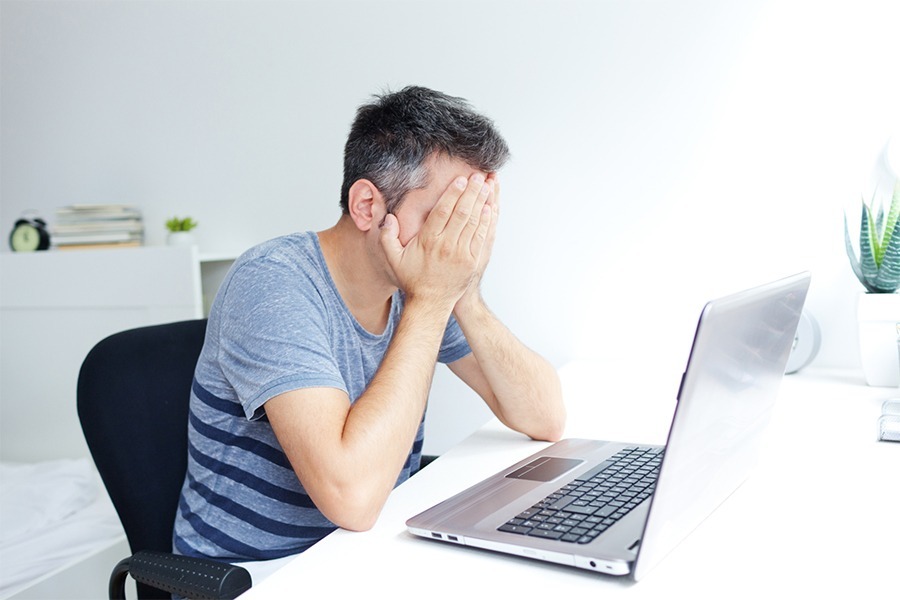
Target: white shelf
{"points": [[54, 306], [207, 257]]}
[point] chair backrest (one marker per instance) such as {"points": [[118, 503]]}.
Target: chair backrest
{"points": [[133, 395]]}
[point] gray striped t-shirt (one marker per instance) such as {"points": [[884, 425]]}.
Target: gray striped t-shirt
{"points": [[277, 324]]}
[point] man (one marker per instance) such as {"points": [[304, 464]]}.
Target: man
{"points": [[309, 394]]}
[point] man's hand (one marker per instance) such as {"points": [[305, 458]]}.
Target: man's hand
{"points": [[444, 258], [493, 201]]}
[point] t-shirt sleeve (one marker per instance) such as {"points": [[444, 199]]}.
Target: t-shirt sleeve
{"points": [[274, 338], [454, 345]]}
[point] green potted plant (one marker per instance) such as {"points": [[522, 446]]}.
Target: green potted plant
{"points": [[180, 231], [878, 268]]}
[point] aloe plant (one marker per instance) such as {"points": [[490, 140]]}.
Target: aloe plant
{"points": [[878, 265]]}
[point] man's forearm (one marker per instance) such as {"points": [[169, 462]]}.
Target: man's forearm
{"points": [[382, 424], [348, 456], [527, 395]]}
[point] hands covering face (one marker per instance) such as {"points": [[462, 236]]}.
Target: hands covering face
{"points": [[448, 256]]}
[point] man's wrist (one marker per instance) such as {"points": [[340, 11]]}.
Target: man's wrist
{"points": [[470, 305], [429, 307]]}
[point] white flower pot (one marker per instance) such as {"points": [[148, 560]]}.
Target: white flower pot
{"points": [[879, 329], [180, 238]]}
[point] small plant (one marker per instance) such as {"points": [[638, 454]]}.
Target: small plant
{"points": [[175, 224], [878, 265]]}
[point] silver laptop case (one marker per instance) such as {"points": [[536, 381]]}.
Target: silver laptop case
{"points": [[727, 393]]}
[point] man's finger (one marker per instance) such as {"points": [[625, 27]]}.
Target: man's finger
{"points": [[439, 216], [495, 199], [467, 209], [477, 244], [476, 214], [390, 240]]}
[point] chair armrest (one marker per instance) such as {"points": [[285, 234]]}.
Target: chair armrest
{"points": [[182, 575]]}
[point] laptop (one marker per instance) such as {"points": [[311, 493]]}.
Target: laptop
{"points": [[619, 508]]}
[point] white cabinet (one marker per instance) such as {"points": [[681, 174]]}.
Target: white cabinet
{"points": [[54, 306]]}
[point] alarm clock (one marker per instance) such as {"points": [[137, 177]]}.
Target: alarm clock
{"points": [[29, 235]]}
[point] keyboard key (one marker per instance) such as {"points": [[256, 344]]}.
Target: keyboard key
{"points": [[605, 511], [582, 510], [546, 534], [562, 502], [514, 529], [595, 471], [555, 520]]}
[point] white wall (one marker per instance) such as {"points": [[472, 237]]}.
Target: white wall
{"points": [[663, 151]]}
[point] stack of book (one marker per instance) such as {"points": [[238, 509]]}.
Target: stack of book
{"points": [[97, 226]]}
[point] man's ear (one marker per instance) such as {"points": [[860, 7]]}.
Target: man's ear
{"points": [[365, 204]]}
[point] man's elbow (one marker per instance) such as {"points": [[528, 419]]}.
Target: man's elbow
{"points": [[553, 409], [552, 425], [551, 431], [354, 522], [354, 511]]}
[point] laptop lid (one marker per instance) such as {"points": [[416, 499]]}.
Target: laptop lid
{"points": [[737, 361]]}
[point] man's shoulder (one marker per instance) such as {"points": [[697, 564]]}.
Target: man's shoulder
{"points": [[286, 248], [289, 255], [275, 270]]}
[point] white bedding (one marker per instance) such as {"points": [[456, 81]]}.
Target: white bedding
{"points": [[52, 514]]}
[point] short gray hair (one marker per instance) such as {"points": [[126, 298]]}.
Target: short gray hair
{"points": [[393, 135]]}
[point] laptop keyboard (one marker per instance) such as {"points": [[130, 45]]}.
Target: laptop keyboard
{"points": [[592, 503]]}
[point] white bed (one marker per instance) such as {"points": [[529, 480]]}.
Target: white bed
{"points": [[54, 517]]}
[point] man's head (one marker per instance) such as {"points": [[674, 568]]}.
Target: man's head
{"points": [[393, 136]]}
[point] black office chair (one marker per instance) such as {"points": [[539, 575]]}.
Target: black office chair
{"points": [[133, 394]]}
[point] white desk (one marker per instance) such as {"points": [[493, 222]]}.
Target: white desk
{"points": [[819, 517]]}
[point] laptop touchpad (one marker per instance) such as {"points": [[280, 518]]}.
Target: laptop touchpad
{"points": [[545, 468]]}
